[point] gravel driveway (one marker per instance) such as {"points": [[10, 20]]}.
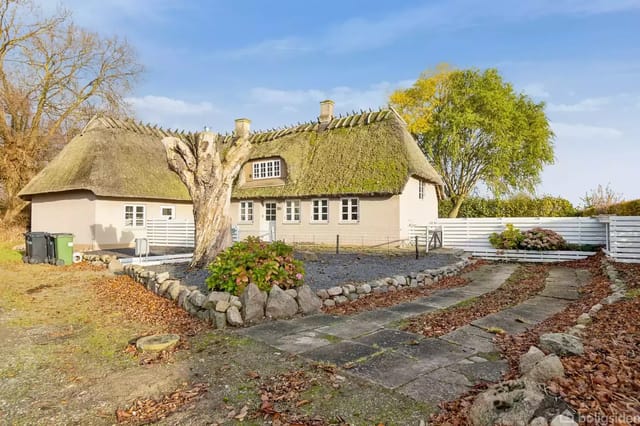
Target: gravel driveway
{"points": [[334, 269]]}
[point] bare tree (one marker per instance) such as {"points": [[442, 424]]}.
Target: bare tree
{"points": [[601, 198], [53, 74], [208, 164]]}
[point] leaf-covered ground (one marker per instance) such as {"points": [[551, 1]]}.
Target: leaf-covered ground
{"points": [[381, 300], [525, 282], [65, 358]]}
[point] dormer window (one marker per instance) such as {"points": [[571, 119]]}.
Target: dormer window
{"points": [[266, 169]]}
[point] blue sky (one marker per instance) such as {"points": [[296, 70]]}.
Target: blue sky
{"points": [[209, 62]]}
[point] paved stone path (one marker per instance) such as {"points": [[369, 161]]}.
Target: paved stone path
{"points": [[431, 370]]}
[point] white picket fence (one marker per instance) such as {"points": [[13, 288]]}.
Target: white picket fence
{"points": [[171, 233], [624, 238]]}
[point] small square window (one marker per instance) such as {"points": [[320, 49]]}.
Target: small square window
{"points": [[168, 212], [421, 190], [320, 210], [292, 211], [246, 211], [350, 210], [134, 216]]}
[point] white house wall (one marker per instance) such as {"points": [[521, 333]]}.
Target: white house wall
{"points": [[110, 229], [416, 211], [378, 223], [69, 212]]}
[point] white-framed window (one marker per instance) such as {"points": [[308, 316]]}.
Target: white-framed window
{"points": [[270, 211], [320, 210], [246, 211], [168, 212], [134, 215], [266, 169], [421, 190], [292, 211], [349, 210]]}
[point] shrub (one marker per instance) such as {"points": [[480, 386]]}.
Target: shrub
{"points": [[255, 261], [516, 206], [509, 239], [625, 208], [542, 239]]}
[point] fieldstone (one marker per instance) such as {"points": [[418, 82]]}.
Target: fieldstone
{"points": [[350, 287], [511, 402], [595, 309], [323, 294], [105, 258], [530, 359], [329, 303], [307, 301], [561, 344], [400, 279], [428, 281], [115, 266], [334, 291], [382, 289], [539, 421], [413, 283], [162, 277], [222, 306], [292, 292], [345, 291], [221, 319], [341, 300], [392, 288], [280, 304], [614, 298], [174, 290], [162, 289], [390, 281], [562, 420], [546, 369], [183, 295], [215, 297], [157, 342], [202, 314], [97, 263], [197, 299], [421, 276], [253, 301], [353, 296], [584, 319], [233, 317], [363, 289]]}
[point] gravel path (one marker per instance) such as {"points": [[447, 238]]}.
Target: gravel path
{"points": [[333, 269]]}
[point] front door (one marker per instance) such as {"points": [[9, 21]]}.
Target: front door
{"points": [[268, 222]]}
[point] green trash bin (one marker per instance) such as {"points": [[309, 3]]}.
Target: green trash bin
{"points": [[64, 248]]}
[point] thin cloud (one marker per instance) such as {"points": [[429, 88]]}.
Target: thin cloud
{"points": [[536, 90], [579, 132], [585, 105]]}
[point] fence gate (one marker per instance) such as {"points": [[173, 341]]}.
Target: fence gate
{"points": [[171, 233]]}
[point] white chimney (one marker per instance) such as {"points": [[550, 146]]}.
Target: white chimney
{"points": [[243, 127], [326, 111]]}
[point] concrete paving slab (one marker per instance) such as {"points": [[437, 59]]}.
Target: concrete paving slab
{"points": [[489, 371], [440, 302], [430, 388], [341, 353], [568, 293], [319, 320], [350, 329], [410, 309], [303, 341], [378, 316], [501, 320], [390, 369], [271, 332], [473, 341], [389, 338], [432, 353]]}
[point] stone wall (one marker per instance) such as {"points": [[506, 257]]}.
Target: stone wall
{"points": [[223, 309], [346, 293]]}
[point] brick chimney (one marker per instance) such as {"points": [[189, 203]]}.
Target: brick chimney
{"points": [[326, 111], [243, 127]]}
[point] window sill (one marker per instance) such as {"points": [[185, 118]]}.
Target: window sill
{"points": [[349, 222], [245, 223], [292, 222], [319, 222]]}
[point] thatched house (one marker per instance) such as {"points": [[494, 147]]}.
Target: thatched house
{"points": [[362, 177]]}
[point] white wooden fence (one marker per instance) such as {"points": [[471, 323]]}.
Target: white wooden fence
{"points": [[171, 233], [624, 238], [472, 235]]}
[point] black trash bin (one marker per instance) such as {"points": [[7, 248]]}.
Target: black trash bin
{"points": [[51, 249], [36, 247]]}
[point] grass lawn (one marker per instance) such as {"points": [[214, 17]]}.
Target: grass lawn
{"points": [[63, 360]]}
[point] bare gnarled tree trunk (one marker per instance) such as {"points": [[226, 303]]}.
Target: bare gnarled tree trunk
{"points": [[208, 165]]}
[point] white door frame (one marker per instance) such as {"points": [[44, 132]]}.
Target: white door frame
{"points": [[268, 227]]}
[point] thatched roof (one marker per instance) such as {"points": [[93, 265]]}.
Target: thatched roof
{"points": [[367, 153], [112, 158]]}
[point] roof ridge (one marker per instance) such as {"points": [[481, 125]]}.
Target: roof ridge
{"points": [[101, 121]]}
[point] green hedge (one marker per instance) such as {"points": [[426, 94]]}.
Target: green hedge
{"points": [[625, 208], [520, 206]]}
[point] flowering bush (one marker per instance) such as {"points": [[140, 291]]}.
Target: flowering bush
{"points": [[255, 261], [542, 239], [509, 239]]}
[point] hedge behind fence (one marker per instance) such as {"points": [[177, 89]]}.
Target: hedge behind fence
{"points": [[625, 208], [521, 206]]}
